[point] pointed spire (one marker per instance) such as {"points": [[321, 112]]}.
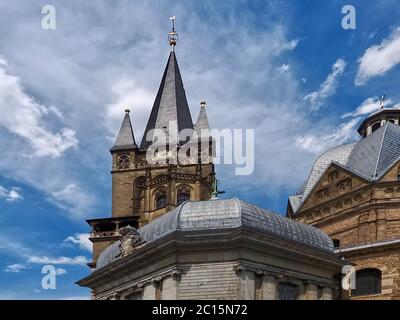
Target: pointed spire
{"points": [[170, 107], [202, 125], [125, 139]]}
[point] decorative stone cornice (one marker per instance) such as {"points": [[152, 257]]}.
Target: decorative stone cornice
{"points": [[277, 274]]}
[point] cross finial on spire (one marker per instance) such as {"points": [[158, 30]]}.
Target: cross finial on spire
{"points": [[172, 35], [382, 102]]}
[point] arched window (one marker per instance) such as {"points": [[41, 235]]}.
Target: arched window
{"points": [[160, 199], [182, 197], [398, 173], [287, 291], [368, 281], [336, 243], [183, 194], [376, 126]]}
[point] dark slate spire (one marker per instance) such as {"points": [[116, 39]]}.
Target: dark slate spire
{"points": [[202, 125], [170, 105], [125, 139]]}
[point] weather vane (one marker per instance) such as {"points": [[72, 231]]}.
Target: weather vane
{"points": [[172, 35], [382, 102]]}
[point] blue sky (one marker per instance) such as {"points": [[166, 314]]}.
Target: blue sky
{"points": [[284, 68]]}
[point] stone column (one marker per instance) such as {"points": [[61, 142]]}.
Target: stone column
{"points": [[326, 293], [369, 130], [269, 287], [149, 291], [170, 286], [246, 284], [311, 291], [197, 192]]}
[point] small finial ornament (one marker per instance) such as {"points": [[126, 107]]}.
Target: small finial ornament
{"points": [[202, 103], [382, 102], [127, 110], [215, 192], [172, 35]]}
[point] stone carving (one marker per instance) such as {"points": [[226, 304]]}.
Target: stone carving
{"points": [[130, 238]]}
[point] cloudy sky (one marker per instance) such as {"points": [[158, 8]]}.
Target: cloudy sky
{"points": [[284, 68]]}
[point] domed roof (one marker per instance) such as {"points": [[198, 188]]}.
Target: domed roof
{"points": [[368, 158], [338, 154], [224, 214]]}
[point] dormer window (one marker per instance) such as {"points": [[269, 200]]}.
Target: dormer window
{"points": [[376, 126]]}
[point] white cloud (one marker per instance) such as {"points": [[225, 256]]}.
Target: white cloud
{"points": [[23, 116], [379, 59], [289, 45], [60, 271], [327, 88], [11, 195], [316, 144], [368, 106], [81, 239], [16, 267], [284, 68], [128, 94], [73, 199], [78, 260]]}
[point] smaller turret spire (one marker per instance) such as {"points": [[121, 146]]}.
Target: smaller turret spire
{"points": [[125, 139], [202, 127]]}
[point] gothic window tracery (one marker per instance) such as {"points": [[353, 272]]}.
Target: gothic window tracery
{"points": [[160, 198], [123, 161]]}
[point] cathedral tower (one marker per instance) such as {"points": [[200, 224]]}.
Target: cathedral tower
{"points": [[172, 164]]}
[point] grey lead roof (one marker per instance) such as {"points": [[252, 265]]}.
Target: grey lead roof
{"points": [[225, 214], [125, 138], [369, 158], [338, 154], [170, 105]]}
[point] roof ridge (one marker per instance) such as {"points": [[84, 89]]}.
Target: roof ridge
{"points": [[380, 149]]}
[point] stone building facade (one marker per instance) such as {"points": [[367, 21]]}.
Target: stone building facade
{"points": [[353, 194]]}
